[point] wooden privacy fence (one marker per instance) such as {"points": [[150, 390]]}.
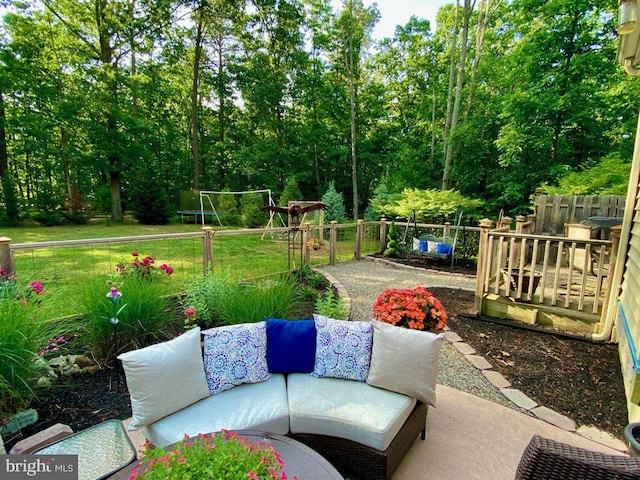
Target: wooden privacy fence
{"points": [[541, 278], [553, 211]]}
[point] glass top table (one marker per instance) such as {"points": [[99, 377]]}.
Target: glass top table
{"points": [[102, 450]]}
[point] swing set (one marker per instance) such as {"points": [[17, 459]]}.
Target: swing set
{"points": [[442, 248]]}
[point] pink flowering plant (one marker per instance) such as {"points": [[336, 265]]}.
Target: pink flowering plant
{"points": [[143, 267], [316, 244], [225, 455]]}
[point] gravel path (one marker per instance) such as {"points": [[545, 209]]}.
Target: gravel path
{"points": [[365, 280]]}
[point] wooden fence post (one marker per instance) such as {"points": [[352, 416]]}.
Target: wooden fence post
{"points": [[306, 236], [447, 230], [485, 225], [610, 289], [507, 221], [332, 242], [6, 260], [359, 233], [207, 249], [383, 234]]}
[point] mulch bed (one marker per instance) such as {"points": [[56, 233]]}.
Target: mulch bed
{"points": [[576, 378]]}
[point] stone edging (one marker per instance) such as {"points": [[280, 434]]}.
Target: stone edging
{"points": [[521, 400], [392, 264], [342, 292]]}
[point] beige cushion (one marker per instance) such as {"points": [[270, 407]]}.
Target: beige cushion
{"points": [[164, 378], [405, 361], [346, 409]]}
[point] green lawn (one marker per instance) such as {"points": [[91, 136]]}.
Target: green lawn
{"points": [[245, 255]]}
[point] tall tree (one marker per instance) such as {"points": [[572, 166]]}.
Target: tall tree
{"points": [[455, 114], [353, 31]]}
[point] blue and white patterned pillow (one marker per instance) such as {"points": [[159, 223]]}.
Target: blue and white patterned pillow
{"points": [[235, 355], [343, 348]]}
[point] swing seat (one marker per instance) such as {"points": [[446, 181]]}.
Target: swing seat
{"points": [[436, 247]]}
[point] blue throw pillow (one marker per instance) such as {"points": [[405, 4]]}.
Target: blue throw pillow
{"points": [[444, 248], [291, 345]]}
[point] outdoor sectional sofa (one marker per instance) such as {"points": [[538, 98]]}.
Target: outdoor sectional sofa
{"points": [[356, 392]]}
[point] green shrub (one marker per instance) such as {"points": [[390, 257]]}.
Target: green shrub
{"points": [[228, 210], [335, 205], [252, 217], [428, 205], [609, 177], [24, 330], [150, 200], [332, 306], [291, 192], [145, 320], [392, 249], [221, 300], [306, 293]]}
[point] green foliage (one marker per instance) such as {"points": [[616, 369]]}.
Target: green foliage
{"points": [[252, 217], [306, 293], [150, 201], [145, 320], [24, 330], [392, 250], [335, 204], [291, 192], [332, 306], [220, 299], [609, 177], [228, 210], [428, 204], [224, 455], [381, 197]]}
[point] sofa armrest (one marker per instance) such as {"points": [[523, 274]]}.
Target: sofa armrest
{"points": [[546, 459]]}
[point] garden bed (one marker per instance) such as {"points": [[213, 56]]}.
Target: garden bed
{"points": [[576, 378]]}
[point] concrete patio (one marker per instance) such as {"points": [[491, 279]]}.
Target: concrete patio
{"points": [[472, 438]]}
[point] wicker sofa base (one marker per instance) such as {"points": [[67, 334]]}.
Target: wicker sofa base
{"points": [[363, 462]]}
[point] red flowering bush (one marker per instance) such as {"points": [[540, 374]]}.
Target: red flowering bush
{"points": [[142, 267], [415, 308]]}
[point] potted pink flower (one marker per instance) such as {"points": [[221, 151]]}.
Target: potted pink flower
{"points": [[225, 455]]}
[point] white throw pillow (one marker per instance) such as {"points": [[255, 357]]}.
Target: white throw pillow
{"points": [[432, 247], [164, 378], [405, 361], [416, 243]]}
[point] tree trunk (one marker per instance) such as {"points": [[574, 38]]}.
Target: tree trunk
{"points": [[564, 87], [452, 70], [433, 128], [106, 58], [10, 200], [352, 115], [484, 15], [195, 101], [65, 166], [448, 162]]}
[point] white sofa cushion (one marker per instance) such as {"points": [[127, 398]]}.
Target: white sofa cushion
{"points": [[346, 409], [257, 406], [164, 378], [405, 361]]}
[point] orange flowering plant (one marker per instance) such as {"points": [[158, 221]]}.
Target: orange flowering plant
{"points": [[415, 308]]}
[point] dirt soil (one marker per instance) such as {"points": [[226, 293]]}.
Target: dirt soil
{"points": [[576, 378]]}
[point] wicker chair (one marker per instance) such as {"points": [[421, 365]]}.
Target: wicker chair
{"points": [[546, 459]]}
